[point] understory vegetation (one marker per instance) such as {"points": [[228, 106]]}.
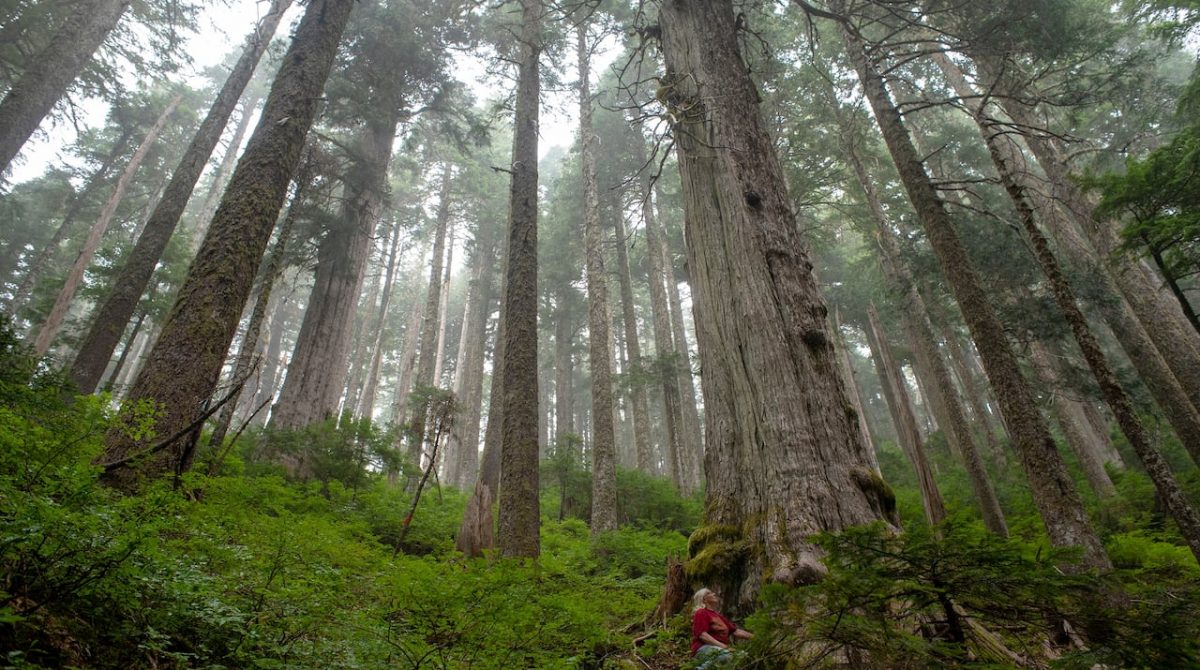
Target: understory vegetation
{"points": [[250, 570]]}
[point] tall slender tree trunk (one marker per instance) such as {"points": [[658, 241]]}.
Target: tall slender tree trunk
{"points": [[268, 381], [564, 371], [51, 72], [129, 341], [1053, 490], [895, 393], [444, 310], [182, 370], [479, 309], [855, 394], [452, 460], [366, 403], [664, 347], [519, 515], [316, 376], [54, 320], [604, 473], [366, 312], [114, 313], [42, 260], [636, 364], [785, 459]]}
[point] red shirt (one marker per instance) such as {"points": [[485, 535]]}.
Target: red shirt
{"points": [[714, 623]]}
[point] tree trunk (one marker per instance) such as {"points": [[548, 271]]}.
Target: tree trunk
{"points": [[269, 379], [431, 318], [51, 72], [636, 364], [785, 458], [316, 376], [443, 310], [843, 353], [183, 368], [366, 312], [479, 309], [54, 320], [664, 347], [691, 433], [366, 403], [129, 342], [895, 393], [43, 259], [564, 370], [604, 473], [112, 316], [1053, 490], [519, 515]]}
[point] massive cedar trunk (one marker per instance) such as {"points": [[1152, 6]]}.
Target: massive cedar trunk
{"points": [[52, 70], [114, 313], [429, 322], [41, 261], [604, 473], [664, 348], [316, 375], [519, 515], [182, 370], [784, 458], [895, 393], [58, 312], [1053, 490], [931, 365], [365, 408]]}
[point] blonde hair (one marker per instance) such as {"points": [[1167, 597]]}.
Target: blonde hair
{"points": [[698, 599]]}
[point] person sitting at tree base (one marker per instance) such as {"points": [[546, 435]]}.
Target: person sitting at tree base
{"points": [[712, 632]]}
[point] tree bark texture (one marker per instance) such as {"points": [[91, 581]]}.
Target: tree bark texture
{"points": [[785, 458], [604, 468], [58, 312], [316, 376], [127, 289], [1053, 490], [183, 368], [51, 72], [519, 515]]}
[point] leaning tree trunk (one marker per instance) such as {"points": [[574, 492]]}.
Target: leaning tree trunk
{"points": [[52, 70], [785, 459], [1053, 490], [895, 393], [519, 515], [41, 261], [316, 376], [130, 283], [183, 368], [58, 312], [604, 473]]}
